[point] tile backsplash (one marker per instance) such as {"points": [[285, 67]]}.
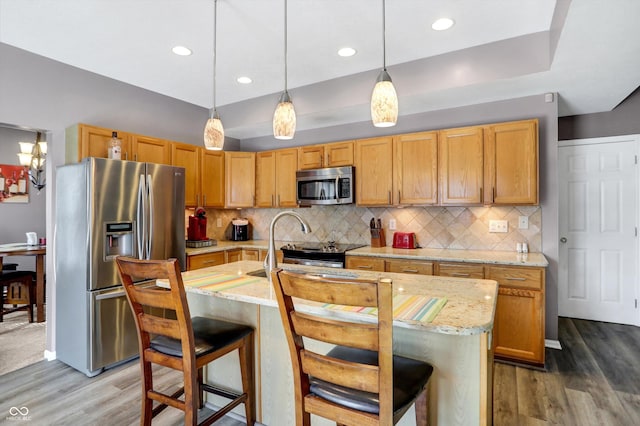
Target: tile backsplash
{"points": [[435, 227]]}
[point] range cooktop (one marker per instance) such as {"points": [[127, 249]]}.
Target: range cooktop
{"points": [[310, 248]]}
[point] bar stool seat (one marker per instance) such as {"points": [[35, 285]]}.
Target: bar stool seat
{"points": [[17, 290]]}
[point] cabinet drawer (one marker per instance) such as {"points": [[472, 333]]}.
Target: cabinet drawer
{"points": [[365, 263], [205, 260], [532, 278], [409, 267], [461, 270]]}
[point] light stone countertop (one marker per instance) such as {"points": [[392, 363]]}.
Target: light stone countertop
{"points": [[448, 255], [469, 310], [463, 256]]}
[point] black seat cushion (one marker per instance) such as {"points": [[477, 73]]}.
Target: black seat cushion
{"points": [[11, 275], [409, 378], [209, 336]]}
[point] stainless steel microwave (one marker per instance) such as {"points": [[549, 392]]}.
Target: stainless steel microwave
{"points": [[333, 185]]}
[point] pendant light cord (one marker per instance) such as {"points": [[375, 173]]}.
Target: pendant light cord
{"points": [[384, 36], [215, 54], [285, 45]]}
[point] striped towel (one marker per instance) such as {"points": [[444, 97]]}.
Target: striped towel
{"points": [[405, 307], [216, 281]]}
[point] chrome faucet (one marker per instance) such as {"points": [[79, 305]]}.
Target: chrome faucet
{"points": [[271, 262]]}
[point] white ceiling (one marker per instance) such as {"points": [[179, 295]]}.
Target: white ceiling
{"points": [[498, 49]]}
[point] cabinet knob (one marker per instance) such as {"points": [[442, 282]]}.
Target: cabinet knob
{"points": [[563, 240]]}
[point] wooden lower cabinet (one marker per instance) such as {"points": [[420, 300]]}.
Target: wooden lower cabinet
{"points": [[205, 260], [365, 263], [408, 266], [518, 332]]}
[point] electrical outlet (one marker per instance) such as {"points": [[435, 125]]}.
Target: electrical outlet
{"points": [[219, 223], [392, 224], [498, 226], [523, 222]]}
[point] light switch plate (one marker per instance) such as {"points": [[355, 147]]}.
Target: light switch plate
{"points": [[219, 223], [498, 226], [523, 222], [392, 224]]}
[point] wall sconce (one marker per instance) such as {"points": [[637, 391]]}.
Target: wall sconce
{"points": [[34, 155]]}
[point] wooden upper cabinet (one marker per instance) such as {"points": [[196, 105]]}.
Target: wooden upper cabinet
{"points": [[276, 178], [150, 150], [416, 168], [311, 157], [374, 171], [461, 170], [187, 156], [212, 178], [286, 166], [511, 162], [265, 179], [240, 178], [83, 141], [335, 154], [339, 154]]}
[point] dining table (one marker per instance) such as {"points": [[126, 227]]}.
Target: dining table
{"points": [[39, 251]]}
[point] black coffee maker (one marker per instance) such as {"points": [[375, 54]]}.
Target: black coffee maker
{"points": [[239, 229]]}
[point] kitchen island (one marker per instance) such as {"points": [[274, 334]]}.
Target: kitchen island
{"points": [[456, 342]]}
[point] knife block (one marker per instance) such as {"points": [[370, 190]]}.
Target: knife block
{"points": [[377, 238]]}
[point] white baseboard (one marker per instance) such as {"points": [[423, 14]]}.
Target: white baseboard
{"points": [[49, 356], [553, 344]]}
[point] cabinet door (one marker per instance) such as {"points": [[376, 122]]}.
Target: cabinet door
{"points": [[511, 162], [265, 179], [461, 270], [460, 162], [409, 267], [285, 175], [416, 168], [518, 332], [234, 255], [187, 156], [94, 142], [374, 171], [339, 154], [311, 157], [212, 178], [240, 178], [205, 260], [365, 263], [250, 254], [150, 150]]}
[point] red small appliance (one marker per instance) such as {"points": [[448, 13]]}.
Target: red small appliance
{"points": [[405, 240], [197, 230]]}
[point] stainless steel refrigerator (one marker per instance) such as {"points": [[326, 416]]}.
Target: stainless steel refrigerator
{"points": [[106, 208]]}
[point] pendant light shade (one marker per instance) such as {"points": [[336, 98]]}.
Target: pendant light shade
{"points": [[284, 117], [384, 100], [213, 130], [214, 133]]}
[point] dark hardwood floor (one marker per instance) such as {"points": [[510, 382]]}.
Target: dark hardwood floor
{"points": [[594, 380]]}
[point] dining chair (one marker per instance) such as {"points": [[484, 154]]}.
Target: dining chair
{"points": [[17, 289], [358, 382], [184, 343]]}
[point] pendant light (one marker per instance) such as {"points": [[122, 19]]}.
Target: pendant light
{"points": [[213, 131], [284, 118], [384, 100]]}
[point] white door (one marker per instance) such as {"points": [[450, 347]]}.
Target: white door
{"points": [[598, 270]]}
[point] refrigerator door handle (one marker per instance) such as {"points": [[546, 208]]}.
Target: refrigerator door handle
{"points": [[140, 222], [150, 216]]}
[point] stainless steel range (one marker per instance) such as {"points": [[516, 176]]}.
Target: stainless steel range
{"points": [[328, 254]]}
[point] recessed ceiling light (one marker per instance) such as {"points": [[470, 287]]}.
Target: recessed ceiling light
{"points": [[442, 24], [244, 80], [347, 51], [181, 51]]}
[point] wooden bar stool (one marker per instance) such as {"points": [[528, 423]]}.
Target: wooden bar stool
{"points": [[358, 382], [185, 344], [17, 290]]}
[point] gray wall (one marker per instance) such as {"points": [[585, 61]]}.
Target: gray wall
{"points": [[18, 218], [622, 120]]}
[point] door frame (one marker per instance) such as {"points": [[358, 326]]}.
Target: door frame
{"points": [[599, 141]]}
